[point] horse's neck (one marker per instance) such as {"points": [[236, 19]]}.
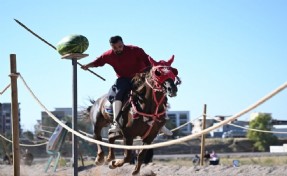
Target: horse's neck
{"points": [[151, 100]]}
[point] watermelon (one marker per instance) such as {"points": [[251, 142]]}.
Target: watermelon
{"points": [[73, 44]]}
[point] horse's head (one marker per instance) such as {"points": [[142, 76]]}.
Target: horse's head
{"points": [[165, 76]]}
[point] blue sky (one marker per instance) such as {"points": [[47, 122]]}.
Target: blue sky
{"points": [[228, 53]]}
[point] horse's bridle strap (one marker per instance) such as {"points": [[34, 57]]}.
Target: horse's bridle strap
{"points": [[159, 89]]}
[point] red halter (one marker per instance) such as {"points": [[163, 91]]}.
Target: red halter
{"points": [[160, 72], [156, 115]]}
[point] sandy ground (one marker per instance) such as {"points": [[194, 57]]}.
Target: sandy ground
{"points": [[158, 169]]}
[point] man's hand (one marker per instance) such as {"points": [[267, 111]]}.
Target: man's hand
{"points": [[85, 67]]}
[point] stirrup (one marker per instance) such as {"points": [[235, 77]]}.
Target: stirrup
{"points": [[114, 128]]}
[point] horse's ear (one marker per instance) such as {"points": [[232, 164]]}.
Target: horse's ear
{"points": [[153, 62], [170, 61]]}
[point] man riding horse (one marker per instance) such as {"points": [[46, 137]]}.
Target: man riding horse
{"points": [[127, 61]]}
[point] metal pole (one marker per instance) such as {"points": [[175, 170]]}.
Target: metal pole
{"points": [[75, 118], [203, 136], [15, 117]]}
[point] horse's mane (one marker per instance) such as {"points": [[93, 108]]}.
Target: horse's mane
{"points": [[139, 79]]}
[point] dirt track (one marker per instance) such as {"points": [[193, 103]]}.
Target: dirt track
{"points": [[153, 169]]}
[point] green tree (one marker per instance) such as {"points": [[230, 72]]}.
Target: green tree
{"points": [[261, 140]]}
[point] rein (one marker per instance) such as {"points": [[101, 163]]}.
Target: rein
{"points": [[156, 88], [155, 116], [160, 72]]}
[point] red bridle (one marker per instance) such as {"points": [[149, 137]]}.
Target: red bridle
{"points": [[165, 72], [160, 72], [156, 115]]}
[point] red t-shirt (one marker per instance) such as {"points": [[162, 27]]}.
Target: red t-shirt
{"points": [[131, 61]]}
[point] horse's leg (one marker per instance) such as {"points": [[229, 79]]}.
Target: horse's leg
{"points": [[97, 135], [111, 155], [140, 159], [127, 155]]}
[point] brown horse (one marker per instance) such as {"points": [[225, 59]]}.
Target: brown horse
{"points": [[143, 114]]}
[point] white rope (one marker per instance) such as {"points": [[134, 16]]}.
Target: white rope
{"points": [[162, 144], [47, 127], [252, 129], [89, 135], [46, 131], [181, 126], [4, 90], [105, 139], [24, 145], [161, 134]]}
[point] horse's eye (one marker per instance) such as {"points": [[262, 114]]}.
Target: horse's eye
{"points": [[157, 73]]}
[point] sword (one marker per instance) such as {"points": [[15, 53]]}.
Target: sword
{"points": [[52, 46]]}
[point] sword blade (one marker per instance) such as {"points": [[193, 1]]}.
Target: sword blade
{"points": [[21, 24]]}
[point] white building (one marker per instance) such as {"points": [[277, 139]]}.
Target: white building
{"points": [[278, 149], [67, 111], [280, 128], [179, 118]]}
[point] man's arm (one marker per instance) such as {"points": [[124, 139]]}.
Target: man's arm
{"points": [[144, 57], [100, 61]]}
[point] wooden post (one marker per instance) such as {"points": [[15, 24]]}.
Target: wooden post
{"points": [[203, 136], [15, 117]]}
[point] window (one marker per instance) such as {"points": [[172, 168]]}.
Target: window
{"points": [[185, 128], [172, 118], [7, 127], [182, 120], [183, 116]]}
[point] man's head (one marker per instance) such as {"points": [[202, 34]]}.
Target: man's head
{"points": [[117, 44]]}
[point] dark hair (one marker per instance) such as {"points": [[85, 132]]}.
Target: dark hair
{"points": [[115, 39]]}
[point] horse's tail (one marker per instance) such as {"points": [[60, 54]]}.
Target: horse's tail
{"points": [[90, 107]]}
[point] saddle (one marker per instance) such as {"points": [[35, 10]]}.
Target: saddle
{"points": [[108, 108]]}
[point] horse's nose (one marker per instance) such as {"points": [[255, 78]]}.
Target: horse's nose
{"points": [[173, 92], [173, 95], [175, 89]]}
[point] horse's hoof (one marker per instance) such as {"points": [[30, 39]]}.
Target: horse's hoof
{"points": [[112, 165], [99, 162], [136, 173], [106, 162], [109, 159]]}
